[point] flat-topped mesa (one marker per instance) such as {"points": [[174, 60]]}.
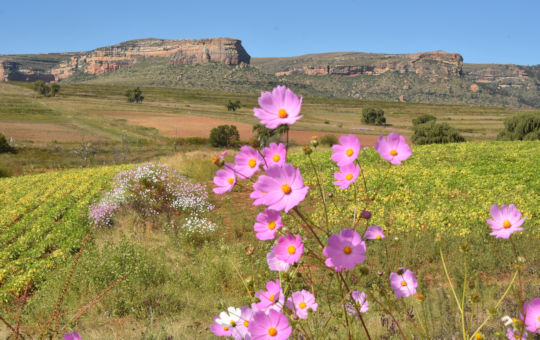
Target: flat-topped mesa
{"points": [[427, 63], [107, 59]]}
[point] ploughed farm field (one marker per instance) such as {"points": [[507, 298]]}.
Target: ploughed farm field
{"points": [[145, 275]]}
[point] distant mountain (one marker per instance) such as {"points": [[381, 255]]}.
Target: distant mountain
{"points": [[223, 64]]}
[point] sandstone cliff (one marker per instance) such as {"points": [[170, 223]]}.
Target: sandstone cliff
{"points": [[106, 59]]}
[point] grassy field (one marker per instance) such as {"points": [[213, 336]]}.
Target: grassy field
{"points": [[439, 198]]}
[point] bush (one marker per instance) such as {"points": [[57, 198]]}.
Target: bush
{"points": [[435, 133], [190, 141], [264, 136], [328, 140], [46, 90], [5, 146], [233, 106], [522, 127], [423, 118], [134, 96], [224, 136], [373, 116]]}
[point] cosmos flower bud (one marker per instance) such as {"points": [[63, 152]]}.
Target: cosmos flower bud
{"points": [[307, 150], [420, 297], [366, 214]]}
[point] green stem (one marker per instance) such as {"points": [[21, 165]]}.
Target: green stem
{"points": [[450, 282]]}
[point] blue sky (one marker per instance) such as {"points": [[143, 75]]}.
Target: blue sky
{"points": [[481, 31]]}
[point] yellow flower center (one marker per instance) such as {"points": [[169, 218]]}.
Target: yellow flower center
{"points": [[282, 113], [347, 250], [225, 328], [507, 224], [272, 297], [378, 237], [291, 249], [230, 180], [271, 225], [538, 317], [272, 331], [246, 323], [478, 336], [233, 323], [403, 283], [349, 152], [302, 305], [517, 336], [276, 158], [286, 189], [349, 177], [252, 162], [393, 152]]}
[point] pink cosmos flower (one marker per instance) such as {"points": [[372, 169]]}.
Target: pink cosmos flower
{"points": [[300, 302], [275, 154], [346, 152], [374, 232], [506, 220], [225, 179], [72, 336], [361, 302], [217, 328], [248, 161], [241, 332], [394, 149], [281, 106], [271, 298], [276, 264], [222, 155], [347, 175], [403, 283], [268, 222], [531, 310], [282, 188], [289, 249], [512, 334], [345, 251], [271, 326]]}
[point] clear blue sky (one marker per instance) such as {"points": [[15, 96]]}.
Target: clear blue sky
{"points": [[481, 31]]}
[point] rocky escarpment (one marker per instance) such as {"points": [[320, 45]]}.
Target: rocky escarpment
{"points": [[106, 59], [436, 63]]}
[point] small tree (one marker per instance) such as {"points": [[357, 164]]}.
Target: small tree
{"points": [[55, 88], [224, 136], [134, 95], [46, 90], [432, 132], [265, 135], [5, 147], [423, 118], [373, 116], [522, 127], [233, 106]]}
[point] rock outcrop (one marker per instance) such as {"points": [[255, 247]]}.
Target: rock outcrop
{"points": [[428, 63], [106, 59]]}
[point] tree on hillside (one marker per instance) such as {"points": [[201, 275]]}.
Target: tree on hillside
{"points": [[46, 90], [373, 116], [134, 95], [435, 133], [233, 106], [423, 118], [5, 147], [224, 135]]}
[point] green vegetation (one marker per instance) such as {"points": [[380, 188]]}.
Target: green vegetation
{"points": [[134, 95], [432, 132], [233, 106], [47, 90], [373, 116], [264, 136], [423, 118], [224, 136], [328, 140], [521, 127], [5, 147]]}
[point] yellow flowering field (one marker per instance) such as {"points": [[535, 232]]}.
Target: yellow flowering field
{"points": [[43, 219], [448, 189]]}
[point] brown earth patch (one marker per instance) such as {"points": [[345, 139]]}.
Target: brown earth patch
{"points": [[175, 125], [42, 132]]}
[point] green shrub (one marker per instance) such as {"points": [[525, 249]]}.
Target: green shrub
{"points": [[224, 136], [423, 118], [439, 133], [233, 106], [328, 140], [191, 141], [5, 146], [46, 90], [373, 116], [522, 127], [134, 95], [264, 136]]}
